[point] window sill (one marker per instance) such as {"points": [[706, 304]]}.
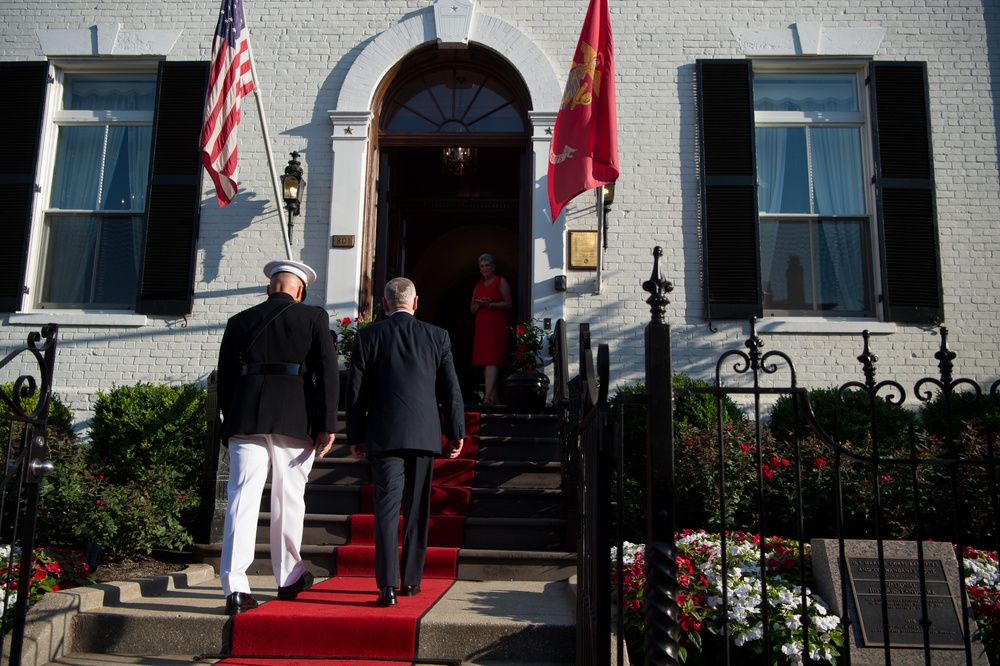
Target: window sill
{"points": [[100, 318], [824, 326]]}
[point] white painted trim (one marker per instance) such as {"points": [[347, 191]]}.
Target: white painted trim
{"points": [[824, 326], [95, 318], [350, 150], [106, 39], [809, 39]]}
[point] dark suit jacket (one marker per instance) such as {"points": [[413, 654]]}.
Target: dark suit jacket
{"points": [[296, 406], [401, 368]]}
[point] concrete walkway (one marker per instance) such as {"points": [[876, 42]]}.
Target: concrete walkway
{"points": [[180, 618]]}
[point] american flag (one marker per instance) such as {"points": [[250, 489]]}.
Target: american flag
{"points": [[230, 81]]}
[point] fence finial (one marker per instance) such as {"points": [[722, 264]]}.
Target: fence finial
{"points": [[659, 287], [868, 361], [945, 357]]}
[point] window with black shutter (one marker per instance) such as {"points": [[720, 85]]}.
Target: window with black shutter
{"points": [[791, 169], [118, 216]]}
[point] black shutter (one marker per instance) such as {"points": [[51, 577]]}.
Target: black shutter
{"points": [[21, 119], [728, 207], [904, 178], [173, 208]]}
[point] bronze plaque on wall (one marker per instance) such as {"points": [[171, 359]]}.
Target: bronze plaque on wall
{"points": [[903, 602], [583, 250]]}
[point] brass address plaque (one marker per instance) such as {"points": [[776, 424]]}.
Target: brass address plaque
{"points": [[343, 241]]}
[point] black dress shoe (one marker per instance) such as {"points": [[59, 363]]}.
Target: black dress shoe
{"points": [[386, 597], [238, 602], [304, 582], [409, 590]]}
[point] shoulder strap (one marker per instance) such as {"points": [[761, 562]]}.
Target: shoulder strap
{"points": [[264, 323]]}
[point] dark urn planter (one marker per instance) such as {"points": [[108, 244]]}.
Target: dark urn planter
{"points": [[525, 392]]}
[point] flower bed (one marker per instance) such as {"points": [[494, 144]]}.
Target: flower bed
{"points": [[53, 569], [982, 583], [699, 577]]}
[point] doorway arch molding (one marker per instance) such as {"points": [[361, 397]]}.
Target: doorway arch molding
{"points": [[352, 125]]}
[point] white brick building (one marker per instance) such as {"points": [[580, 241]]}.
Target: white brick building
{"points": [[838, 183]]}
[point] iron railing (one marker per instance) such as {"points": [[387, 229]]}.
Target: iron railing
{"points": [[891, 490], [27, 465]]}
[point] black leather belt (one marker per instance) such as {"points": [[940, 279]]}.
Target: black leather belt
{"points": [[271, 368]]}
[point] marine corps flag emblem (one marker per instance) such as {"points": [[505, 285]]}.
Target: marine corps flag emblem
{"points": [[584, 150]]}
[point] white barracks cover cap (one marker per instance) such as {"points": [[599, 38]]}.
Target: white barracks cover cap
{"points": [[296, 268]]}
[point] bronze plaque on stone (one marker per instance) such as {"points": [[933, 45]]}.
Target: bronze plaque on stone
{"points": [[902, 598]]}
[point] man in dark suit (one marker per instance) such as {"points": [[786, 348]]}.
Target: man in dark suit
{"points": [[278, 388], [401, 368]]}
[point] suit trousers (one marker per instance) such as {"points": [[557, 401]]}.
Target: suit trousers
{"points": [[402, 480], [290, 460]]}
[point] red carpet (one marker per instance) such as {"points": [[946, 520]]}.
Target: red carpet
{"points": [[360, 561], [338, 618]]}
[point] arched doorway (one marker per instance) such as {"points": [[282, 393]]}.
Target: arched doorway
{"points": [[436, 214]]}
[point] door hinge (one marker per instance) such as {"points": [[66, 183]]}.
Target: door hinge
{"points": [[38, 188], [25, 290]]}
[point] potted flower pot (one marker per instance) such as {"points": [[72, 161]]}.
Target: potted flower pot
{"points": [[525, 392]]}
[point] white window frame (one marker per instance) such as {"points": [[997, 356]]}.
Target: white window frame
{"points": [[33, 313], [782, 321]]}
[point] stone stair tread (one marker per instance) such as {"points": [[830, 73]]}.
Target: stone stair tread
{"points": [[484, 620]]}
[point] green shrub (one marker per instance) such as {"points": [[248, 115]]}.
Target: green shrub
{"points": [[82, 504], [701, 409], [982, 412], [60, 416], [849, 420], [137, 429], [695, 409]]}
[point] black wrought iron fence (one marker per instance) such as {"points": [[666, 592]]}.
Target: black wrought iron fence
{"points": [[848, 495], [24, 415]]}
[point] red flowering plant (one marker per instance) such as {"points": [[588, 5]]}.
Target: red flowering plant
{"points": [[528, 341], [702, 613], [346, 330], [982, 583], [53, 569]]}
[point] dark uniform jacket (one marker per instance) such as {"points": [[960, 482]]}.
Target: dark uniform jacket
{"points": [[401, 368], [285, 404]]}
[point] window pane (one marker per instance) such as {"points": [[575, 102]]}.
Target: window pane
{"points": [[454, 100], [69, 262], [92, 261], [810, 265], [836, 164], [841, 256], [805, 92], [101, 168], [123, 92], [782, 170], [76, 183]]}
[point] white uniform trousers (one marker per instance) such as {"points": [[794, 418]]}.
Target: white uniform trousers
{"points": [[290, 460]]}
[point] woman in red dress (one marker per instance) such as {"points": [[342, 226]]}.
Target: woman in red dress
{"points": [[491, 302]]}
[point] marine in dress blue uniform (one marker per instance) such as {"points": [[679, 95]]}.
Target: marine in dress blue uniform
{"points": [[278, 387]]}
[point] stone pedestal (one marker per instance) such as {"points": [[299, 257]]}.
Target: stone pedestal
{"points": [[943, 581]]}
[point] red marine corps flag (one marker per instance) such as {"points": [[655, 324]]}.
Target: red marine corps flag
{"points": [[229, 82], [584, 150]]}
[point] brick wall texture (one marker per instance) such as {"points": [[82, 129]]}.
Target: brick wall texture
{"points": [[304, 51]]}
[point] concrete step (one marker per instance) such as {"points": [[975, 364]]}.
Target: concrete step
{"points": [[527, 468], [519, 622], [474, 564], [484, 502]]}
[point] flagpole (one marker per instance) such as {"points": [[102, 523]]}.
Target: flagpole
{"points": [[600, 235], [267, 147]]}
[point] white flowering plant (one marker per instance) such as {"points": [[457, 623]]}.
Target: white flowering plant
{"points": [[700, 576], [53, 569], [982, 583]]}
